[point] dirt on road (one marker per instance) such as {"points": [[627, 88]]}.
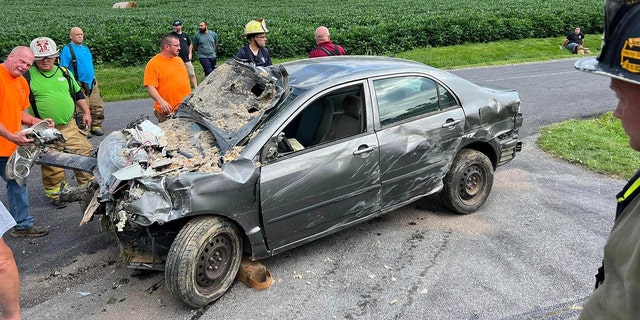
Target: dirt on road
{"points": [[99, 286]]}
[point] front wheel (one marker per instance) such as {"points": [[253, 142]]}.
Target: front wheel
{"points": [[203, 260], [468, 183]]}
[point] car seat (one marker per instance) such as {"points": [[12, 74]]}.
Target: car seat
{"points": [[347, 123]]}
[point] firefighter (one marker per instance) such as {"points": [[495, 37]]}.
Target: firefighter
{"points": [[617, 290], [55, 95], [255, 51]]}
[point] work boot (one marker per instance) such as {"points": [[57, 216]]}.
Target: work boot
{"points": [[56, 203], [97, 131], [31, 232]]}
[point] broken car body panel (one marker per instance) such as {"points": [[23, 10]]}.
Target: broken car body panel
{"points": [[263, 148]]}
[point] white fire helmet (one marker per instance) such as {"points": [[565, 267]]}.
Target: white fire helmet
{"points": [[44, 47]]}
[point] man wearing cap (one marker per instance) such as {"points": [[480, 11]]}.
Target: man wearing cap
{"points": [[14, 100], [617, 293], [77, 58], [186, 50], [205, 42], [56, 94]]}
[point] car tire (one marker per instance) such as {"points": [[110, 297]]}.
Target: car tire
{"points": [[203, 260], [468, 183]]}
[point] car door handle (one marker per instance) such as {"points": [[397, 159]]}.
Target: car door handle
{"points": [[450, 123], [364, 149]]}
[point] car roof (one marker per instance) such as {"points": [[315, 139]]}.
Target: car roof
{"points": [[307, 73]]}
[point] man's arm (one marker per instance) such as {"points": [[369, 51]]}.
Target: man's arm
{"points": [[194, 43], [86, 117], [18, 138], [190, 51], [29, 120], [164, 105], [9, 283]]}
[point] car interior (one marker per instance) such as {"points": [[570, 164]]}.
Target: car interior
{"points": [[334, 116]]}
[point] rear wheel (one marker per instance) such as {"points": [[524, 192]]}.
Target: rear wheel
{"points": [[203, 260], [468, 183]]}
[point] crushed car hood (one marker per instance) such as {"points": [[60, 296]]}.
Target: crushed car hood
{"points": [[206, 131], [231, 101]]}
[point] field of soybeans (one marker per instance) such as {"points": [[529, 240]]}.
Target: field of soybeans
{"points": [[379, 27]]}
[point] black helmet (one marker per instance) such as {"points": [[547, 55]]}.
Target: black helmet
{"points": [[620, 56]]}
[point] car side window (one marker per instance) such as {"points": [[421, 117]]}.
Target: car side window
{"points": [[446, 98], [336, 115], [403, 98]]}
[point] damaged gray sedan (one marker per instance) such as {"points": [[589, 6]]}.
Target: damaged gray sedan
{"points": [[260, 160]]}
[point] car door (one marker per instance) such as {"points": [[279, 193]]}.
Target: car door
{"points": [[314, 190], [420, 128]]}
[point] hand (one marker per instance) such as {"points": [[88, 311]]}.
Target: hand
{"points": [[22, 137], [86, 121], [50, 123], [165, 107]]}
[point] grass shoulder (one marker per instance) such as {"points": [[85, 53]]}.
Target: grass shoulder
{"points": [[599, 144]]}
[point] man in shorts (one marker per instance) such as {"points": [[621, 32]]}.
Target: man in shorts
{"points": [[186, 49]]}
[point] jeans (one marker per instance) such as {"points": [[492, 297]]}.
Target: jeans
{"points": [[208, 64], [18, 199]]}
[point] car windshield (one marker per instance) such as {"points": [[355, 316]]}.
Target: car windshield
{"points": [[269, 116]]}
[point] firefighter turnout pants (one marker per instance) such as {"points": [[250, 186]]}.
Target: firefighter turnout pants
{"points": [[96, 105], [77, 143]]}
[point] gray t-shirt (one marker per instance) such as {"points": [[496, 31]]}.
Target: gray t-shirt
{"points": [[206, 43]]}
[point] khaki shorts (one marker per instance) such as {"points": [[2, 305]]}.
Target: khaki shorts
{"points": [[190, 70]]}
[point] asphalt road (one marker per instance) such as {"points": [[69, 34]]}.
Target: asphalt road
{"points": [[529, 253]]}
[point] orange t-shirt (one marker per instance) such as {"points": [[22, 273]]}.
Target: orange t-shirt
{"points": [[14, 98], [169, 76]]}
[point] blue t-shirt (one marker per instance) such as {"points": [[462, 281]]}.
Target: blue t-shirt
{"points": [[86, 72]]}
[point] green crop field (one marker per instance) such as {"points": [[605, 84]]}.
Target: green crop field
{"points": [[381, 27]]}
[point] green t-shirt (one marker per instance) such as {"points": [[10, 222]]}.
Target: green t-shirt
{"points": [[51, 92]]}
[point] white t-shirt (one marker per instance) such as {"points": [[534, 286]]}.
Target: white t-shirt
{"points": [[6, 220]]}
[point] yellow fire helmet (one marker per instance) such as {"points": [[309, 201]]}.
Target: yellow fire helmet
{"points": [[620, 56], [255, 27]]}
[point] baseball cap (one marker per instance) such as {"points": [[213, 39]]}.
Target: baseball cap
{"points": [[177, 23]]}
